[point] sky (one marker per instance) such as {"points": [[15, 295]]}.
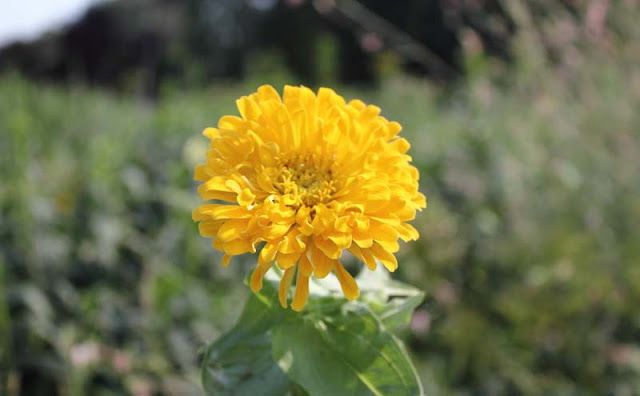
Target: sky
{"points": [[27, 19]]}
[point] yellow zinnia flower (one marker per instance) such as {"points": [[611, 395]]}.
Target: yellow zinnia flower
{"points": [[306, 177]]}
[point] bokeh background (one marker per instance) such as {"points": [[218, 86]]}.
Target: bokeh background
{"points": [[524, 119]]}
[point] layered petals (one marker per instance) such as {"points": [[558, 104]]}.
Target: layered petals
{"points": [[300, 179]]}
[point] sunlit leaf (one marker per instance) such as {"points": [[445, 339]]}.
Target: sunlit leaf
{"points": [[392, 301], [240, 362], [346, 352]]}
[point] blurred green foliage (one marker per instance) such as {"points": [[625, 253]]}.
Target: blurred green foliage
{"points": [[107, 279], [529, 250]]}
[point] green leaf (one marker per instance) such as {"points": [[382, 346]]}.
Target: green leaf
{"points": [[392, 301], [334, 347], [241, 362], [346, 352], [397, 313]]}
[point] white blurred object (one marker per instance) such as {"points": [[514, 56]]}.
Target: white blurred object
{"points": [[22, 20]]}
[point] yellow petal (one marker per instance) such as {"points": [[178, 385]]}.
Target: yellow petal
{"points": [[231, 122], [225, 260], [358, 104], [305, 226], [387, 259], [211, 132], [246, 197], [390, 246], [302, 292], [267, 92], [216, 183], [342, 241], [248, 108], [400, 145], [363, 240], [281, 214], [285, 283], [218, 244], [268, 252], [220, 212], [211, 195], [256, 277], [276, 231], [293, 242], [302, 284], [209, 228], [420, 201], [201, 173], [365, 256], [347, 283], [239, 246], [393, 129], [286, 261], [328, 247], [407, 232], [305, 265], [322, 264], [342, 224], [232, 229]]}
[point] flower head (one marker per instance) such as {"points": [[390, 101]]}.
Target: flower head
{"points": [[303, 178]]}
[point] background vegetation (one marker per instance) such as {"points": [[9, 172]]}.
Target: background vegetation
{"points": [[529, 250]]}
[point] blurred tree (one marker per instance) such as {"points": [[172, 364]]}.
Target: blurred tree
{"points": [[217, 36], [135, 46], [293, 28]]}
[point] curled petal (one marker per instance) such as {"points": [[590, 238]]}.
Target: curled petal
{"points": [[256, 277], [302, 284], [285, 283], [387, 259], [322, 265], [348, 284]]}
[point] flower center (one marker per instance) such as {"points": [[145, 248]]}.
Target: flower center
{"points": [[304, 180]]}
